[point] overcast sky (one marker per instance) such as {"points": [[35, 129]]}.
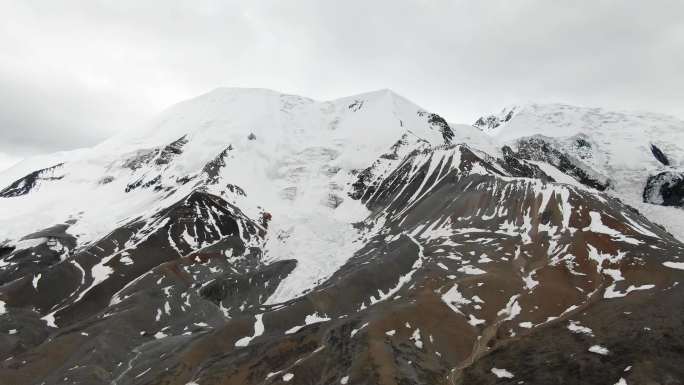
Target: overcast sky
{"points": [[74, 72]]}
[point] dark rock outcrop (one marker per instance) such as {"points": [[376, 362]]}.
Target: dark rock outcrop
{"points": [[440, 124], [31, 181], [491, 122], [543, 149], [519, 167], [213, 168], [171, 150], [659, 155], [665, 188]]}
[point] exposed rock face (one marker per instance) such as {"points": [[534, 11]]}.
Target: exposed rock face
{"points": [[171, 150], [491, 122], [31, 181], [665, 188], [41, 250], [443, 126], [542, 149], [460, 267], [160, 157], [519, 167], [213, 168]]}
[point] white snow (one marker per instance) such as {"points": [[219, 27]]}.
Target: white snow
{"points": [[597, 226], [530, 283], [35, 280], [29, 243], [126, 260], [159, 335], [310, 319], [100, 272], [471, 270], [454, 299], [258, 330], [576, 327], [272, 374], [344, 380], [502, 373], [49, 319], [287, 377], [512, 309], [674, 265], [556, 174], [415, 337], [353, 332], [599, 258], [598, 349], [612, 293], [474, 321]]}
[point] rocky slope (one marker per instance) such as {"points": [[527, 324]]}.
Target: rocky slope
{"points": [[251, 237]]}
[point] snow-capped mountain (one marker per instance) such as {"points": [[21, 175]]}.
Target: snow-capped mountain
{"points": [[248, 237], [638, 157]]}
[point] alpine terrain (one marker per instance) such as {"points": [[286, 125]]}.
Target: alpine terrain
{"points": [[252, 237]]}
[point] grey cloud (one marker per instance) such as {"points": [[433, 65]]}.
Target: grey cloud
{"points": [[37, 118], [74, 72]]}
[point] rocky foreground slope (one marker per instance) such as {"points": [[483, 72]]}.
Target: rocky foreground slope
{"points": [[251, 237]]}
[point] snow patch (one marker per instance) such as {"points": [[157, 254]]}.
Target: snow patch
{"points": [[454, 299], [502, 373], [674, 265], [258, 330], [576, 327], [598, 349]]}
